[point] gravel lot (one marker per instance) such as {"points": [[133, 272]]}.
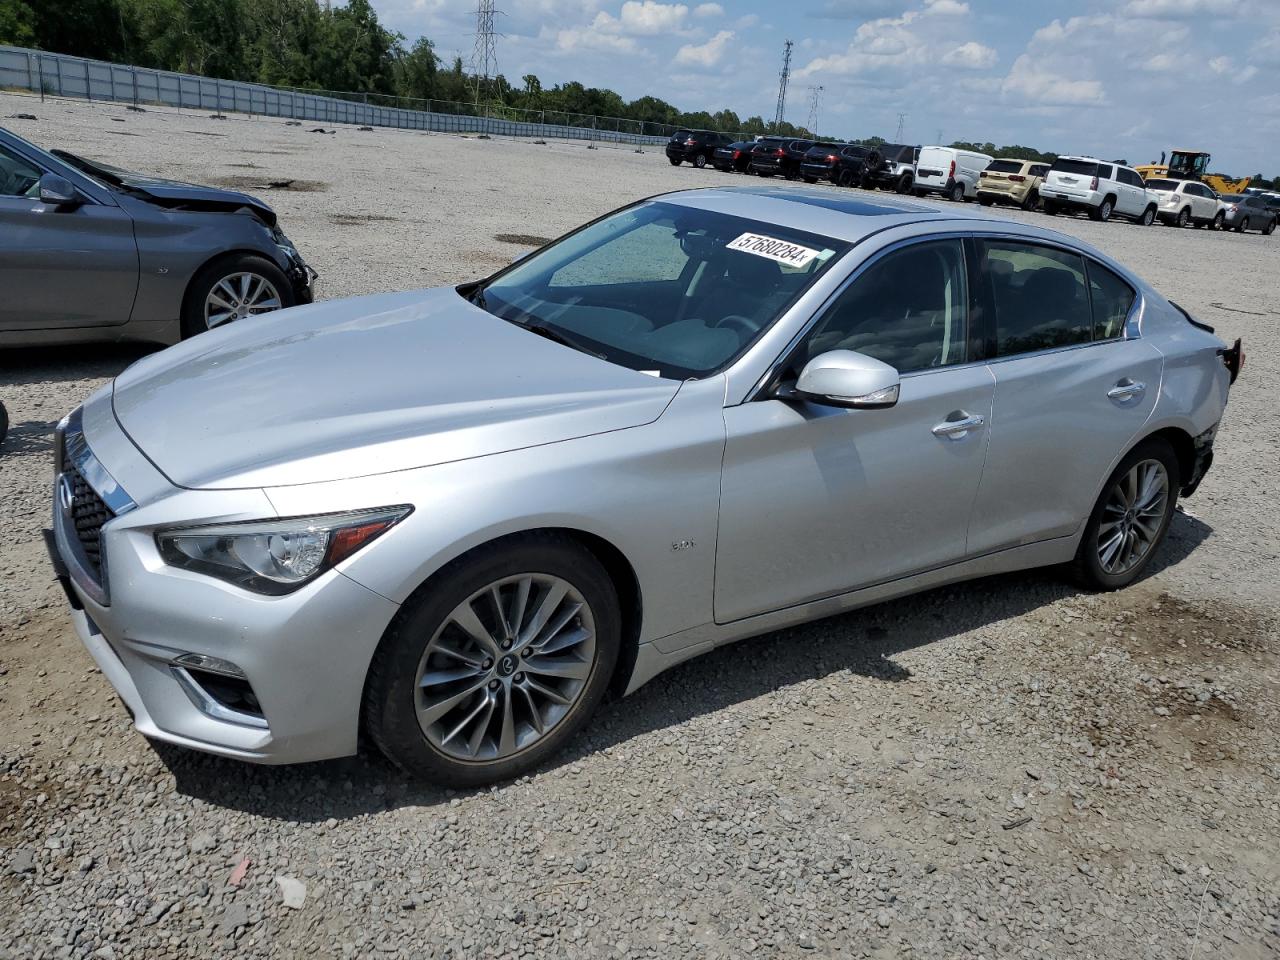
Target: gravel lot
{"points": [[1006, 768]]}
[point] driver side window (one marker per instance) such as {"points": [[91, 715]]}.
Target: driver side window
{"points": [[18, 177], [910, 309]]}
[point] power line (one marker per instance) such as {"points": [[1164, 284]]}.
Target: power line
{"points": [[815, 100], [484, 57], [902, 122], [782, 83]]}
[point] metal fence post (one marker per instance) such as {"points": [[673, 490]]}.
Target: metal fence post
{"points": [[88, 84], [133, 71]]}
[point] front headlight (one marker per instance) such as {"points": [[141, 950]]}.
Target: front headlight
{"points": [[275, 557]]}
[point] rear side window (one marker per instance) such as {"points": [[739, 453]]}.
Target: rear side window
{"points": [[1105, 171], [1112, 300], [1040, 296], [1084, 168]]}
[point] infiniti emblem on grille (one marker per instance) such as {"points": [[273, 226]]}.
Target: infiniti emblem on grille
{"points": [[65, 497]]}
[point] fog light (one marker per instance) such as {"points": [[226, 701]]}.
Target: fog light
{"points": [[201, 661]]}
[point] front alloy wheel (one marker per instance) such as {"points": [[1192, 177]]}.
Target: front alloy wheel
{"points": [[240, 295], [505, 667], [495, 662]]}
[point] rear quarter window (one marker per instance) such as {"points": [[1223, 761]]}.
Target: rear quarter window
{"points": [[1112, 299]]}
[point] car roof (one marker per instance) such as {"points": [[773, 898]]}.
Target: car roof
{"points": [[840, 215]]}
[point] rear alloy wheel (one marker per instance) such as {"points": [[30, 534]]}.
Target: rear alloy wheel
{"points": [[233, 289], [1243, 225], [957, 193], [1102, 213], [904, 184], [1184, 217], [845, 178], [492, 669], [1130, 519], [1148, 217], [1269, 229], [1217, 221], [700, 160], [1031, 201]]}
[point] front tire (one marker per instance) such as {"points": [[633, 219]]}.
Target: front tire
{"points": [[1130, 519], [495, 663], [233, 288], [1217, 221]]}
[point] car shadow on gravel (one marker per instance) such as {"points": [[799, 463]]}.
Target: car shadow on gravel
{"points": [[29, 365], [863, 643]]}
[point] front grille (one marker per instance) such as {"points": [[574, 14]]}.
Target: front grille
{"points": [[88, 514]]}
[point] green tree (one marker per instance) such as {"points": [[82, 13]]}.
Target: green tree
{"points": [[17, 23], [416, 71]]}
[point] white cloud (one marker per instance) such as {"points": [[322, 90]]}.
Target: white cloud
{"points": [[747, 22], [1181, 8], [946, 8], [971, 56], [1029, 81], [708, 10], [647, 18], [705, 54], [591, 37]]}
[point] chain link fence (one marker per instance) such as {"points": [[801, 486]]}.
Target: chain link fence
{"points": [[58, 75]]}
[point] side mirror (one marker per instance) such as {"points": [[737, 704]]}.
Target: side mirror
{"points": [[56, 191], [843, 378]]}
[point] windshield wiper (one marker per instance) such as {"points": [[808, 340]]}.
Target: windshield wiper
{"points": [[555, 335]]}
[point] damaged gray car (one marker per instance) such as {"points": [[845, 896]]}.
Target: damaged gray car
{"points": [[92, 253]]}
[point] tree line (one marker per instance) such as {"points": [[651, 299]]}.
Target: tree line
{"points": [[313, 45]]}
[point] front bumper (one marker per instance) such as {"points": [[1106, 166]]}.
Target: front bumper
{"points": [[304, 656]]}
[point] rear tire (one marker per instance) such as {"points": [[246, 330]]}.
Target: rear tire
{"points": [[393, 695], [700, 161], [1243, 225], [810, 179], [1102, 212], [904, 184], [984, 201], [673, 161], [1031, 201], [1269, 229], [957, 193], [1184, 217], [194, 319], [1050, 208], [1142, 525]]}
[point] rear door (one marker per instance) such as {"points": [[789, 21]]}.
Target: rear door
{"points": [[1073, 392], [61, 267], [1133, 194]]}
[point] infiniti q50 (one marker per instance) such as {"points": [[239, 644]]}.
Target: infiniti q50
{"points": [[453, 519]]}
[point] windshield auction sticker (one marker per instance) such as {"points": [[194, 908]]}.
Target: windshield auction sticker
{"points": [[774, 249]]}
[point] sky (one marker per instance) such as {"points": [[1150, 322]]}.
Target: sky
{"points": [[1108, 78]]}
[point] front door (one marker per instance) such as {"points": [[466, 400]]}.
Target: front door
{"points": [[1072, 392], [819, 500], [61, 267]]}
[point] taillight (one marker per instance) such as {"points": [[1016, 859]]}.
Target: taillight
{"points": [[779, 152], [952, 172], [831, 158], [737, 154], [1015, 177], [1093, 184], [1233, 208], [1234, 359]]}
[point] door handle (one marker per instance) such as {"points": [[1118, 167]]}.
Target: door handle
{"points": [[959, 429], [1127, 389]]}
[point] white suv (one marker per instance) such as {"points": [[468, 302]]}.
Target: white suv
{"points": [[1099, 187], [1186, 201], [950, 172]]}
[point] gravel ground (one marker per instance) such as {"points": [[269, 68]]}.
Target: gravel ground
{"points": [[1005, 768]]}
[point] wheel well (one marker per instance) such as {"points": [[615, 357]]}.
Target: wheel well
{"points": [[1111, 197], [1183, 448]]}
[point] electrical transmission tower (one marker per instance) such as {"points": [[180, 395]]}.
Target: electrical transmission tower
{"points": [[484, 58], [815, 100], [902, 122], [782, 83]]}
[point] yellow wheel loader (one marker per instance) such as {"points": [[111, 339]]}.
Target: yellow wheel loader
{"points": [[1193, 165]]}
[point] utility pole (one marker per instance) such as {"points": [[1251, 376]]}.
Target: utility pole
{"points": [[782, 83], [902, 122], [815, 100], [484, 56]]}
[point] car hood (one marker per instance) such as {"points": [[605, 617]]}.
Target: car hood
{"points": [[357, 387]]}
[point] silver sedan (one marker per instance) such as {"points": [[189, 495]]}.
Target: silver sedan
{"points": [[454, 519]]}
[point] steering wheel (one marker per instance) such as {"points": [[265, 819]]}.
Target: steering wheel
{"points": [[736, 321]]}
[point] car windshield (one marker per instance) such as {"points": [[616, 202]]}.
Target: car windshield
{"points": [[1085, 168], [1157, 184], [1004, 166], [661, 288]]}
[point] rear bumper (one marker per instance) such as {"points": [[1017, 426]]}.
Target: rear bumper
{"points": [[1203, 445]]}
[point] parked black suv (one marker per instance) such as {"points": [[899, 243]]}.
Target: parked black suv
{"points": [[733, 157], [819, 161], [896, 169], [779, 156], [696, 146], [852, 165]]}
